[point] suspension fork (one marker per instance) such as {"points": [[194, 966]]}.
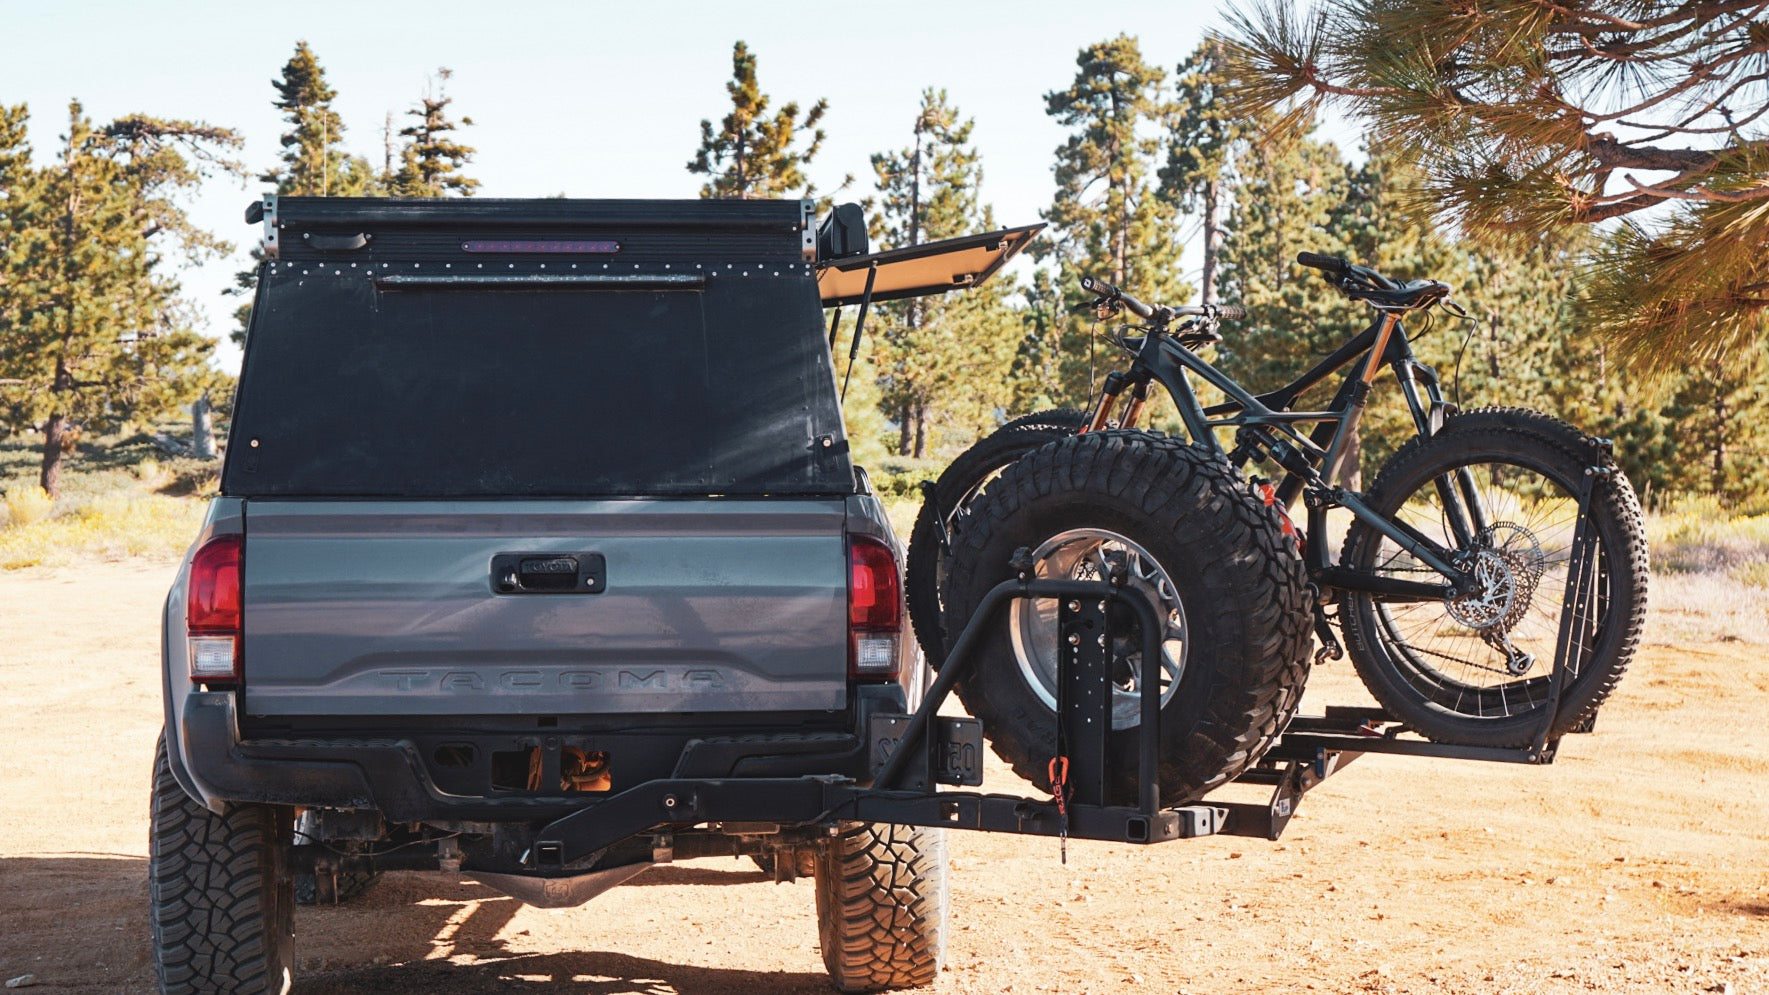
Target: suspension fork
{"points": [[1109, 393]]}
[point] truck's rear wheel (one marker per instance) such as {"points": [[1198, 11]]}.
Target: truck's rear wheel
{"points": [[221, 896], [881, 906], [1194, 541]]}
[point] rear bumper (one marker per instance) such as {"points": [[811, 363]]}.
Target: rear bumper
{"points": [[396, 777]]}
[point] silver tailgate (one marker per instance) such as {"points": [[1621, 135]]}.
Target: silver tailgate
{"points": [[388, 607]]}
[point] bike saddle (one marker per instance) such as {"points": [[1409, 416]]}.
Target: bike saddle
{"points": [[1406, 297]]}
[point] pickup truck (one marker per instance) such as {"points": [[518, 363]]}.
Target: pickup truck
{"points": [[533, 509]]}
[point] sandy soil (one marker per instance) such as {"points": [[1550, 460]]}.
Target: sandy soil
{"points": [[1636, 863]]}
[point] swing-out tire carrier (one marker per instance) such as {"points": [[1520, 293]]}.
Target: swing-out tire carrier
{"points": [[828, 801]]}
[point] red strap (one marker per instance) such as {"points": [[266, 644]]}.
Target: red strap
{"points": [[1059, 782]]}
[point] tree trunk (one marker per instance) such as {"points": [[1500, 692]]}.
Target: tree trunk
{"points": [[202, 434], [1212, 239], [54, 435], [920, 430], [906, 429], [1719, 476]]}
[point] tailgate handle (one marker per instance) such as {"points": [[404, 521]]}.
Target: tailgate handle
{"points": [[549, 573]]}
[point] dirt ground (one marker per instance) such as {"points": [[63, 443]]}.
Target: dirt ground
{"points": [[1636, 863]]}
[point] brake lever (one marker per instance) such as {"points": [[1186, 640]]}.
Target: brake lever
{"points": [[1197, 332], [1103, 308], [1455, 309]]}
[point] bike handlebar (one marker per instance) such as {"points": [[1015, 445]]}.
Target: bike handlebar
{"points": [[1346, 273], [1330, 264], [1106, 290], [1233, 312]]}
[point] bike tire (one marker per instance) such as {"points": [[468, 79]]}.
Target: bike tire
{"points": [[1465, 698], [956, 487], [1239, 584]]}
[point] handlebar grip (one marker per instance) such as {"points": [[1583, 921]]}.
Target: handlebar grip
{"points": [[1330, 264], [1232, 312], [1100, 287], [1106, 290]]}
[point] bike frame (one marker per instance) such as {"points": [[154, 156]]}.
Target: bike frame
{"points": [[1266, 425]]}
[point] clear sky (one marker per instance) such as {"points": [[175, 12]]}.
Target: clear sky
{"points": [[587, 99]]}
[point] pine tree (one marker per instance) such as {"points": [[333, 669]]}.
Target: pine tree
{"points": [[1291, 197], [98, 333], [1036, 382], [942, 355], [751, 154], [1203, 142], [1722, 413], [1530, 117], [431, 162], [313, 161], [15, 173], [1107, 220], [1285, 201]]}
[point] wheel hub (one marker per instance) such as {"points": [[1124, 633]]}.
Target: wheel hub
{"points": [[1093, 554], [1495, 591]]}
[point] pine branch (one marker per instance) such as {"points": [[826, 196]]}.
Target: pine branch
{"points": [[1670, 191]]}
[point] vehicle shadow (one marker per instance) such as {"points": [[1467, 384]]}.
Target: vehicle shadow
{"points": [[744, 873], [1741, 907], [79, 923], [448, 940], [595, 973]]}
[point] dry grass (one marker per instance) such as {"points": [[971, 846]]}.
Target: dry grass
{"points": [[1698, 536], [119, 498], [26, 504], [112, 526]]}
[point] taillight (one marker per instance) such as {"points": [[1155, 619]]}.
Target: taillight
{"points": [[212, 610], [875, 609]]}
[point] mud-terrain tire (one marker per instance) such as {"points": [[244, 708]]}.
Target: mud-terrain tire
{"points": [[1239, 585], [956, 487], [1430, 690], [219, 891], [882, 903]]}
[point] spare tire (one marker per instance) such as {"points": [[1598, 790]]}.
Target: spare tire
{"points": [[1196, 542], [946, 509]]}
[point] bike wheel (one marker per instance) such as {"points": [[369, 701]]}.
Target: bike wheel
{"points": [[1475, 669], [1211, 559], [949, 506]]}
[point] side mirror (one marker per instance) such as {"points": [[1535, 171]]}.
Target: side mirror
{"points": [[842, 234]]}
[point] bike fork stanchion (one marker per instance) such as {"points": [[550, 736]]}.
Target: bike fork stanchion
{"points": [[1576, 608]]}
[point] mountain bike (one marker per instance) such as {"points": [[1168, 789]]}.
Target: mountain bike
{"points": [[1490, 589]]}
